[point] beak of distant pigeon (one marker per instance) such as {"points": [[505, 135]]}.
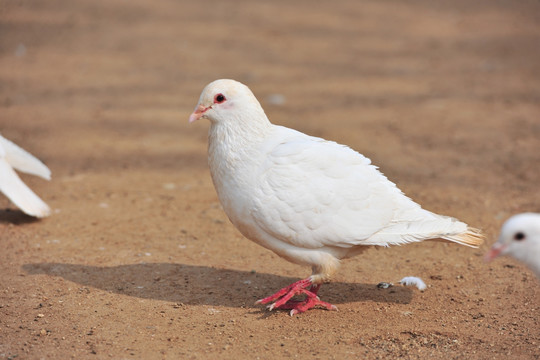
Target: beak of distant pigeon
{"points": [[494, 252], [198, 113]]}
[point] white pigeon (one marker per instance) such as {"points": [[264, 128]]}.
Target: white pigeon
{"points": [[520, 238], [12, 156], [309, 200]]}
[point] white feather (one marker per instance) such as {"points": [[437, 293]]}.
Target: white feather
{"points": [[12, 156], [413, 281], [23, 161]]}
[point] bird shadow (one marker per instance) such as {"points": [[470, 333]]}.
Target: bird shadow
{"points": [[202, 285], [16, 217]]}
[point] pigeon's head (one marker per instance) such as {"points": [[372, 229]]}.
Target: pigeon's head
{"points": [[520, 237], [226, 101]]}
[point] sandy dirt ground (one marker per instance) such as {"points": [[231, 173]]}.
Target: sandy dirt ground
{"points": [[139, 261]]}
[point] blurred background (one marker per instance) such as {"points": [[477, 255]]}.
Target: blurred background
{"points": [[370, 73]]}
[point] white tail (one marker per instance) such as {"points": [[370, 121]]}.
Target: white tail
{"points": [[23, 161], [471, 237], [12, 156], [431, 227], [20, 194]]}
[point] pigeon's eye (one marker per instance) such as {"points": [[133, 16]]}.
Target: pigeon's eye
{"points": [[219, 98], [519, 236]]}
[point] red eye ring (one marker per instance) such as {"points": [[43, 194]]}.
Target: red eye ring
{"points": [[219, 98]]}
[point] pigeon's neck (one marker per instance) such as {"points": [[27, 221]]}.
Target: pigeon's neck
{"points": [[531, 257], [239, 136], [232, 153]]}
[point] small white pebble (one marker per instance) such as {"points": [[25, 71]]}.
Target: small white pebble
{"points": [[103, 205], [413, 280]]}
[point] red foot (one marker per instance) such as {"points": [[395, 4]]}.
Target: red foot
{"points": [[303, 287]]}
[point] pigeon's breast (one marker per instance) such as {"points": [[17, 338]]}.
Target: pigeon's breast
{"points": [[234, 180]]}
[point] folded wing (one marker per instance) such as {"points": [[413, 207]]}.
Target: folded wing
{"points": [[316, 193]]}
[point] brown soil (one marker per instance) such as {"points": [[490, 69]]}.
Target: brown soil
{"points": [[139, 261]]}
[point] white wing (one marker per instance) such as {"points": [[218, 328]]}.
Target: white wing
{"points": [[316, 193], [23, 161]]}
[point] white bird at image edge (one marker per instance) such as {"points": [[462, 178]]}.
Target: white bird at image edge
{"points": [[13, 157], [520, 238], [309, 200]]}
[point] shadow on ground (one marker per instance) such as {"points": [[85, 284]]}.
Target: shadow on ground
{"points": [[16, 217], [192, 284]]}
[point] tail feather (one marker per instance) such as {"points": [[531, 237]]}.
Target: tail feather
{"points": [[22, 160], [435, 227], [20, 194], [471, 237]]}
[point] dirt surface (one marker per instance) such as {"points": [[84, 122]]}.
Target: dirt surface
{"points": [[138, 260]]}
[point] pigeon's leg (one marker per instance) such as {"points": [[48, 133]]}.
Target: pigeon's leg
{"points": [[303, 287]]}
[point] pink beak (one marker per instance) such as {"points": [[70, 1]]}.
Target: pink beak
{"points": [[494, 252], [198, 113]]}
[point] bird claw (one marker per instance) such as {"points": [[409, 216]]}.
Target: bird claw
{"points": [[283, 298]]}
